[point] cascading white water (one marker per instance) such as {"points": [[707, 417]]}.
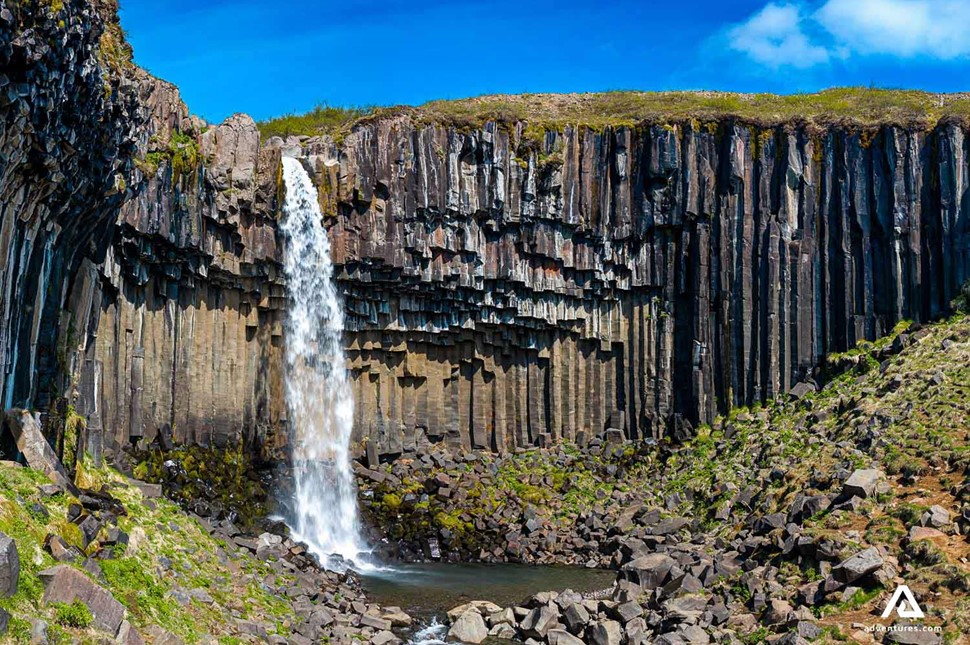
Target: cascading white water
{"points": [[323, 513]]}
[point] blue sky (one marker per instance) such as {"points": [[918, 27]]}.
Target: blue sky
{"points": [[272, 57]]}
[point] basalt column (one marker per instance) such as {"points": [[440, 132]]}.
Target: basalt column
{"points": [[503, 291]]}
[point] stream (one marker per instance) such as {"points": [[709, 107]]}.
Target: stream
{"points": [[427, 591]]}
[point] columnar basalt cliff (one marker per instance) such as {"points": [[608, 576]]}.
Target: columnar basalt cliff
{"points": [[503, 291], [505, 283], [140, 251]]}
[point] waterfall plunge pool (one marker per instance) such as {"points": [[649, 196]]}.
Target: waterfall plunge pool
{"points": [[428, 590]]}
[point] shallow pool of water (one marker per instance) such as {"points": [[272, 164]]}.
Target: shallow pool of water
{"points": [[430, 589], [427, 591]]}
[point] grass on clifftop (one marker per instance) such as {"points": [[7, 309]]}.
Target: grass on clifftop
{"points": [[858, 106], [865, 106], [323, 119]]}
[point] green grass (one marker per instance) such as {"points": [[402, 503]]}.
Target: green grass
{"points": [[323, 119], [75, 614], [851, 106], [157, 529]]}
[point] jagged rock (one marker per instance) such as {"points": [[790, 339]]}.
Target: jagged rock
{"points": [[924, 533], [936, 517], [38, 631], [628, 611], [35, 448], [918, 636], [483, 607], [128, 635], [502, 630], [575, 617], [778, 612], [649, 571], [562, 637], [605, 632], [65, 584], [160, 636], [801, 390], [384, 638], [862, 483], [506, 616], [857, 566], [469, 627], [9, 566], [539, 621]]}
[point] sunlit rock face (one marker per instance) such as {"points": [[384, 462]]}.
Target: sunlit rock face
{"points": [[633, 278], [500, 289]]}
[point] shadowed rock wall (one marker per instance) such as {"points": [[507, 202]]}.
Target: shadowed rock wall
{"points": [[138, 244], [631, 278]]}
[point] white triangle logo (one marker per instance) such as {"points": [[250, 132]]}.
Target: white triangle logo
{"points": [[904, 603]]}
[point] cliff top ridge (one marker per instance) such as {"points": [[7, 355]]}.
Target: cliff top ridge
{"points": [[850, 106]]}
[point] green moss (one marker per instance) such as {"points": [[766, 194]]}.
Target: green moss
{"points": [[181, 154], [76, 614]]}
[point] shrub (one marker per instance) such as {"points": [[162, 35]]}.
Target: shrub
{"points": [[76, 614], [961, 304]]}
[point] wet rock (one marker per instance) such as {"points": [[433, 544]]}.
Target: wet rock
{"points": [[483, 607]]}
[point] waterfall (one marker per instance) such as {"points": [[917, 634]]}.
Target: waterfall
{"points": [[323, 512]]}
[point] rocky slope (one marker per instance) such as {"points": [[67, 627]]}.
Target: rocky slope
{"points": [[797, 520], [115, 561]]}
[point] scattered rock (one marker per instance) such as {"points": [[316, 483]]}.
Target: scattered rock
{"points": [[9, 566], [65, 584], [469, 627], [862, 483]]}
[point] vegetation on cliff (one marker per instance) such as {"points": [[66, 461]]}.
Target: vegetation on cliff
{"points": [[850, 106], [323, 119]]}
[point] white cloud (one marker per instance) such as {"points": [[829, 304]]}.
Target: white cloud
{"points": [[801, 35], [775, 37], [902, 28]]}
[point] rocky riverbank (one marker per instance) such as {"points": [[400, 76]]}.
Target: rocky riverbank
{"points": [[797, 520]]}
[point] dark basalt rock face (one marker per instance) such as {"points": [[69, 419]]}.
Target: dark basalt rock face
{"points": [[139, 272], [63, 148], [642, 279], [502, 290]]}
